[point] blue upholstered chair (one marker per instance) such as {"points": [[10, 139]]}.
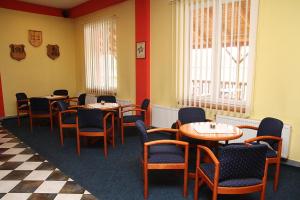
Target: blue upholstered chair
{"points": [[93, 123], [190, 115], [40, 108], [81, 99], [22, 105], [62, 92], [66, 118], [240, 169], [140, 113], [107, 99], [162, 154], [269, 131]]}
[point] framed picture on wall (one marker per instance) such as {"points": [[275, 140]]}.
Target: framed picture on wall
{"points": [[141, 50]]}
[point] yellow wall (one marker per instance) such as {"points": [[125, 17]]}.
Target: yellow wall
{"points": [[276, 89], [37, 74], [125, 16]]}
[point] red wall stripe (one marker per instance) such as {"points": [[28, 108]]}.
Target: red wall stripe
{"points": [[91, 6], [142, 33], [2, 113], [28, 7]]}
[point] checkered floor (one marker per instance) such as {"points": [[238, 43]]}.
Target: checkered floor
{"points": [[25, 174]]}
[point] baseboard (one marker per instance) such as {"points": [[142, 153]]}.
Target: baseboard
{"points": [[290, 163]]}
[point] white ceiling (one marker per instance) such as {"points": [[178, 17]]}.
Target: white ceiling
{"points": [[63, 4]]}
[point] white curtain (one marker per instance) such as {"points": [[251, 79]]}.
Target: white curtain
{"points": [[101, 56], [214, 53]]}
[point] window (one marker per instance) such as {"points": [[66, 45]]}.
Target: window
{"points": [[101, 56], [215, 45]]}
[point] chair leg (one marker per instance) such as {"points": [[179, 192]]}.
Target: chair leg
{"points": [[145, 182], [113, 136], [196, 187], [51, 124], [78, 143], [105, 146], [61, 136], [276, 176], [122, 133], [262, 193], [185, 182]]}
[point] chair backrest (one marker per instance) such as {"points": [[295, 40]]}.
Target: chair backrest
{"points": [[62, 92], [39, 104], [107, 98], [191, 114], [90, 118], [21, 96], [142, 132], [62, 105], [272, 127], [242, 161], [81, 99], [145, 104]]}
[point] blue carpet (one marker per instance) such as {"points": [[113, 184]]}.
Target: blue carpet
{"points": [[120, 176]]}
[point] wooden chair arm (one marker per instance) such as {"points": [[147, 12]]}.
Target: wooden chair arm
{"points": [[68, 111], [136, 109], [214, 159], [52, 104], [170, 130], [130, 105], [75, 106], [208, 120], [208, 152], [262, 138], [105, 119], [178, 123], [176, 142], [247, 127]]}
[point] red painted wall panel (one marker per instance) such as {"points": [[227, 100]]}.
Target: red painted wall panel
{"points": [[142, 33], [91, 6], [28, 7]]}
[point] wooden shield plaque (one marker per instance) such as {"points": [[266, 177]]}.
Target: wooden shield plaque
{"points": [[17, 51], [53, 51], [35, 38]]}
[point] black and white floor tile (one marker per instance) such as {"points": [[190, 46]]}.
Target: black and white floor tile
{"points": [[24, 174]]}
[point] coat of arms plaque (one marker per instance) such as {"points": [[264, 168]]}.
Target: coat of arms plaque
{"points": [[17, 51], [35, 38], [53, 51]]}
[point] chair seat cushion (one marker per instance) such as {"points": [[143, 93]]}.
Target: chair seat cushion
{"points": [[69, 118], [271, 153], [132, 118], [209, 170], [165, 154]]}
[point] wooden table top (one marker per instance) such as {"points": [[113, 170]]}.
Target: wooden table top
{"points": [[55, 97], [105, 106], [204, 131]]}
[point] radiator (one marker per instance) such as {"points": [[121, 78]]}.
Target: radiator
{"points": [[286, 132], [163, 116]]}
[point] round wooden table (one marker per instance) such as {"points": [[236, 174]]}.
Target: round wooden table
{"points": [[104, 106], [210, 131]]}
